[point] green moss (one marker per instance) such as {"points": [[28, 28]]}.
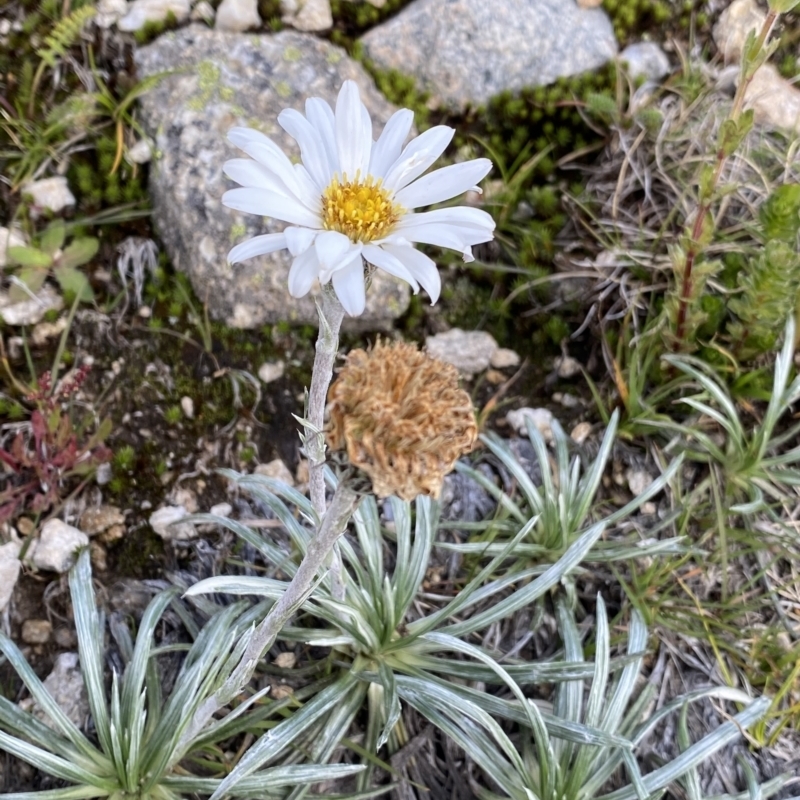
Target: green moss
{"points": [[352, 19], [150, 30], [124, 458], [270, 12], [556, 329], [401, 90], [99, 180], [632, 18], [516, 126], [173, 415]]}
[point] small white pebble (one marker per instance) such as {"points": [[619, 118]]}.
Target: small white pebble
{"points": [[185, 497], [503, 358], [145, 312], [567, 400], [203, 12], [166, 523], [51, 194], [221, 510], [36, 631], [103, 474], [580, 433], [638, 481], [140, 153], [277, 470], [187, 406], [541, 418], [285, 660], [567, 367], [269, 372]]}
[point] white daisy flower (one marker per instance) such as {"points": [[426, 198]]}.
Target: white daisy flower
{"points": [[352, 198]]}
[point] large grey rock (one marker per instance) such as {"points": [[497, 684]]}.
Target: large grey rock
{"points": [[227, 79], [466, 51]]}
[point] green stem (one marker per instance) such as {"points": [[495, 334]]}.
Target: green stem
{"points": [[694, 249]]}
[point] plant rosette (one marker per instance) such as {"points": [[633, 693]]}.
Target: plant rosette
{"points": [[53, 258]]}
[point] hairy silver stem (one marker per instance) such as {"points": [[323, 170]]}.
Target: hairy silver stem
{"points": [[330, 321], [343, 505]]}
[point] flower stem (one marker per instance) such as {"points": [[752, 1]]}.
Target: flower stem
{"points": [[330, 321], [343, 505]]}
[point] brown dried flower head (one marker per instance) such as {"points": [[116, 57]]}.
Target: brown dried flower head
{"points": [[401, 417]]}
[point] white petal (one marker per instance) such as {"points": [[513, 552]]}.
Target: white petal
{"points": [[462, 216], [388, 262], [444, 183], [417, 156], [257, 246], [303, 273], [265, 151], [311, 195], [452, 237], [420, 266], [320, 115], [247, 172], [387, 149], [334, 250], [252, 174], [349, 287], [271, 204], [298, 240], [312, 151], [353, 132]]}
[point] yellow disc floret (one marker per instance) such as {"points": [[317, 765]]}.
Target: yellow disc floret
{"points": [[361, 210]]}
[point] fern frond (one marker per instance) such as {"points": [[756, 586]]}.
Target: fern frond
{"points": [[64, 35], [25, 87]]}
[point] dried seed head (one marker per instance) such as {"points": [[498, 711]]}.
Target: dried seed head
{"points": [[401, 417]]}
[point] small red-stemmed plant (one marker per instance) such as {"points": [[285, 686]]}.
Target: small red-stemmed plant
{"points": [[44, 457]]}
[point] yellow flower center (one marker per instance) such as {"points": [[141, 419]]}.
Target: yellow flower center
{"points": [[361, 210]]}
